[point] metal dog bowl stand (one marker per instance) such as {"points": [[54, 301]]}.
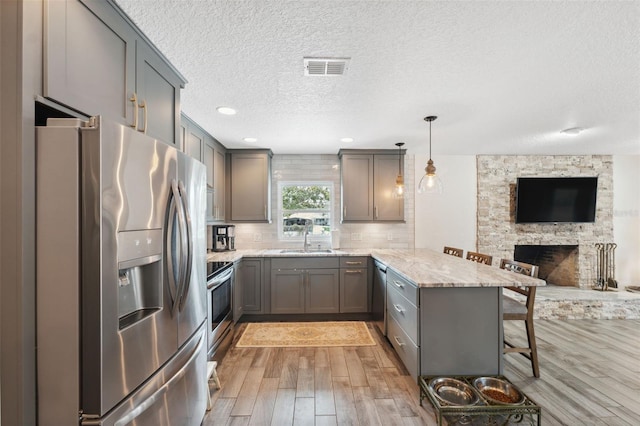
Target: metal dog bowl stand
{"points": [[484, 412]]}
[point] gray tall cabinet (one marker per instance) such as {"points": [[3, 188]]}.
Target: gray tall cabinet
{"points": [[203, 147], [97, 62], [368, 180]]}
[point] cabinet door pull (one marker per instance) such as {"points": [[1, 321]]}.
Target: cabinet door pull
{"points": [[398, 284], [398, 308], [398, 341], [344, 212], [143, 105], [265, 211], [134, 99], [375, 214]]}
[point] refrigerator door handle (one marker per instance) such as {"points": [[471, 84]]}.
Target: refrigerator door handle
{"points": [[189, 252], [181, 267], [153, 398], [170, 232]]}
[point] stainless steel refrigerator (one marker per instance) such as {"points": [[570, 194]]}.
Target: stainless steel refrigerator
{"points": [[121, 308]]}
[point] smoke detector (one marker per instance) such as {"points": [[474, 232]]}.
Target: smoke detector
{"points": [[325, 66]]}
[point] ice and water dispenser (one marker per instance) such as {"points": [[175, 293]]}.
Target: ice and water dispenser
{"points": [[139, 275]]}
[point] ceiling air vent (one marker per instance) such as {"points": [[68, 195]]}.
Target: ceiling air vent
{"points": [[325, 66]]}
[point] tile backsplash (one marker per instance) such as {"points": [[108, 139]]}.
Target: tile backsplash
{"points": [[326, 168]]}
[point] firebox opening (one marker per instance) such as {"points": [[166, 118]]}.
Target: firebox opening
{"points": [[558, 264]]}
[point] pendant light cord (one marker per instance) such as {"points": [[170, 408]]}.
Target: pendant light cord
{"points": [[430, 140]]}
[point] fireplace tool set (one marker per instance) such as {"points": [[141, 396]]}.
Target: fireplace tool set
{"points": [[606, 266]]}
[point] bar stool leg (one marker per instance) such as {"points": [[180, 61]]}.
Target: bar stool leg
{"points": [[212, 375]]}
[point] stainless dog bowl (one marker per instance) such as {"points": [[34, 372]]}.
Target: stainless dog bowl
{"points": [[453, 391], [498, 391]]}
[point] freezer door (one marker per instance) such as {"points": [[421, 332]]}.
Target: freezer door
{"points": [[175, 396]]}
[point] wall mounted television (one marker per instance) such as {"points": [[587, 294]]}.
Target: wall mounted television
{"points": [[556, 199]]}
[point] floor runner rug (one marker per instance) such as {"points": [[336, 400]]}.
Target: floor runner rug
{"points": [[305, 334]]}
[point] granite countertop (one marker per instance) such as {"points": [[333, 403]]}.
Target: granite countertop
{"points": [[426, 268]]}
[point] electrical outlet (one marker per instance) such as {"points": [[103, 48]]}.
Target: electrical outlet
{"points": [[356, 236], [257, 237], [390, 236]]}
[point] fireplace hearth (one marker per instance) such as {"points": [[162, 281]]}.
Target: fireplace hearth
{"points": [[558, 264]]}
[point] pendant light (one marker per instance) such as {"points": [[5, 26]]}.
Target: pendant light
{"points": [[398, 192], [430, 183]]}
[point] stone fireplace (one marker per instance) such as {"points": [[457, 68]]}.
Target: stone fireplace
{"points": [[498, 234], [557, 264]]}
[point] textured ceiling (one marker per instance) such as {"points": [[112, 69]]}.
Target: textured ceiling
{"points": [[504, 77]]}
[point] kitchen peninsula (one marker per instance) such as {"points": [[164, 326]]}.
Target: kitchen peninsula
{"points": [[444, 313]]}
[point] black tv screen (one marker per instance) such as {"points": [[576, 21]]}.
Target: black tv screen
{"points": [[556, 199]]}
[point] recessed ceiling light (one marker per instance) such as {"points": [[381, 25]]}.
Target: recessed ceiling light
{"points": [[346, 140], [226, 110], [250, 140], [572, 131]]}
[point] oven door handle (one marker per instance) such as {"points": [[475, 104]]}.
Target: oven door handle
{"points": [[217, 281]]}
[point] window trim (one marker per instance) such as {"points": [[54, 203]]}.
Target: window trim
{"points": [[281, 185]]}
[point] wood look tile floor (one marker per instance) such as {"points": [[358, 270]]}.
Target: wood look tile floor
{"points": [[590, 375]]}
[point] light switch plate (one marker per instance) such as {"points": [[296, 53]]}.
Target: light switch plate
{"points": [[356, 236], [257, 237]]}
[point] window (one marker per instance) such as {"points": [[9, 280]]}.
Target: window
{"points": [[304, 205]]}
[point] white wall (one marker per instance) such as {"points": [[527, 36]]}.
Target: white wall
{"points": [[447, 219], [626, 218]]}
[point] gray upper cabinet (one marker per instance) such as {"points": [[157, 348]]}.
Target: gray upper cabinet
{"points": [[368, 181], [249, 196], [97, 62], [357, 187], [158, 92], [195, 143]]}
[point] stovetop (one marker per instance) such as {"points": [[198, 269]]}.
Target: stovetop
{"points": [[214, 268]]}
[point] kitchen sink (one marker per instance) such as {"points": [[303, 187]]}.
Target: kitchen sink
{"points": [[306, 251]]}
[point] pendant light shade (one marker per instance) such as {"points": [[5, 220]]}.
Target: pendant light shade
{"points": [[430, 182], [398, 192]]}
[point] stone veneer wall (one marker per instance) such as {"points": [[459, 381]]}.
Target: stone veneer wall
{"points": [[497, 232]]}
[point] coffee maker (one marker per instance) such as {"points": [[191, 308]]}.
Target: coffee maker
{"points": [[222, 238]]}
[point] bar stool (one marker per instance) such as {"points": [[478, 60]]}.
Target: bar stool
{"points": [[514, 310], [479, 257], [453, 251]]}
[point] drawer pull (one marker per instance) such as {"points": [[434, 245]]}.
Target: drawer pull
{"points": [[348, 271], [398, 341], [398, 308], [398, 284], [353, 263]]}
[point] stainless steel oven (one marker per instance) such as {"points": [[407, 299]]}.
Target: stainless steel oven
{"points": [[219, 307]]}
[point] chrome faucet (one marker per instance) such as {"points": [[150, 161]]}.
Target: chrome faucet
{"points": [[307, 243]]}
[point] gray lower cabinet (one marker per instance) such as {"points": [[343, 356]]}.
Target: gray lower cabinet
{"points": [[355, 289], [402, 320], [238, 306], [444, 331], [305, 285], [461, 331], [96, 61], [250, 278]]}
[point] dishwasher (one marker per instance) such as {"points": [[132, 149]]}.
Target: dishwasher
{"points": [[379, 297]]}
